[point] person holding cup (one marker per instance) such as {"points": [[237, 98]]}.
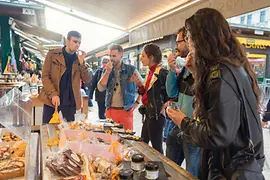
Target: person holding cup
{"points": [[226, 123], [154, 96], [179, 85]]}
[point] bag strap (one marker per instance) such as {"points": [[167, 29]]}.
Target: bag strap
{"points": [[241, 98]]}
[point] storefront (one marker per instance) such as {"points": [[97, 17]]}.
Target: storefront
{"points": [[258, 53]]}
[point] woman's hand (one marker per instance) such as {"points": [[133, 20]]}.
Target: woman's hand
{"points": [[176, 116], [189, 62]]}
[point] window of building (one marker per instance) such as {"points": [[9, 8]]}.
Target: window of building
{"points": [[242, 20], [249, 19], [262, 16]]}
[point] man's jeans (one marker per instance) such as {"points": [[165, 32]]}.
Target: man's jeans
{"points": [[167, 128], [177, 150]]}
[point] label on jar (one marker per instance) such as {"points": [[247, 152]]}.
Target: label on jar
{"points": [[151, 174], [34, 91], [137, 166]]}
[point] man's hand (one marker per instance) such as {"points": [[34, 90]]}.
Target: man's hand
{"points": [[172, 61], [81, 56], [136, 105], [56, 100], [189, 63], [134, 78], [109, 67]]}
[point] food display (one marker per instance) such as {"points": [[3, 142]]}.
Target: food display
{"points": [[12, 160], [92, 156], [12, 168], [17, 152], [67, 164], [102, 151], [9, 136]]}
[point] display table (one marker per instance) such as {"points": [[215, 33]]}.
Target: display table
{"points": [[34, 156], [10, 85], [173, 170]]}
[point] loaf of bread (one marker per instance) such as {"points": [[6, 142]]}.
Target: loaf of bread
{"points": [[12, 168]]}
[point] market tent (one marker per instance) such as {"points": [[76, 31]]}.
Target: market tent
{"points": [[122, 13], [146, 20], [35, 39]]}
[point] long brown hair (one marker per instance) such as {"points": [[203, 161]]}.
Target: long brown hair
{"points": [[214, 41]]}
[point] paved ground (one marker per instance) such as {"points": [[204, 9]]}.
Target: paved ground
{"points": [[93, 115]]}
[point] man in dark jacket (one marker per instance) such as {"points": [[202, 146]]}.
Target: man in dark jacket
{"points": [[179, 149], [99, 96]]}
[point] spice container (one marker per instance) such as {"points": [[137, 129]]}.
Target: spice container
{"points": [[151, 170], [125, 174], [137, 162]]}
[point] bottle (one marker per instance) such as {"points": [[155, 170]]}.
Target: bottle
{"points": [[137, 162], [151, 170], [125, 174]]}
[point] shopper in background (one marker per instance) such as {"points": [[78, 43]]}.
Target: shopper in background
{"points": [[88, 85], [62, 71], [99, 96], [179, 149], [121, 92], [226, 123], [153, 96]]}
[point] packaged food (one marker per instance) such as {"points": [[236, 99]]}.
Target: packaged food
{"points": [[151, 170], [137, 162]]}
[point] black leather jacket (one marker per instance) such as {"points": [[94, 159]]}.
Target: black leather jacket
{"points": [[221, 130], [156, 93]]}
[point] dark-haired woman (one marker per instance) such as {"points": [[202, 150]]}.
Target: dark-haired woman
{"points": [[227, 124], [153, 96]]}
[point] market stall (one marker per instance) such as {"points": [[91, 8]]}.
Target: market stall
{"points": [[19, 148], [90, 142]]}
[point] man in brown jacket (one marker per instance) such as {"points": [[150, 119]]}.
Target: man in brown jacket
{"points": [[62, 71]]}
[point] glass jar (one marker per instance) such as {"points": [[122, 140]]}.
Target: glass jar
{"points": [[137, 162], [125, 174], [151, 170]]}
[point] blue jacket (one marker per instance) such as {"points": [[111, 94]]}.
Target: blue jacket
{"points": [[173, 86], [128, 89]]}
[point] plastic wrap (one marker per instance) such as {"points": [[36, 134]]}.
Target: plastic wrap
{"points": [[15, 117]]}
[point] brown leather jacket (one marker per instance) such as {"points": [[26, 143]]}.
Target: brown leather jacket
{"points": [[53, 69]]}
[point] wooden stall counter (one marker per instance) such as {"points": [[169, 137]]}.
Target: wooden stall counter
{"points": [[173, 170]]}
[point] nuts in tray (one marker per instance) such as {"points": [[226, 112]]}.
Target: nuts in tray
{"points": [[9, 136], [5, 152], [17, 150]]}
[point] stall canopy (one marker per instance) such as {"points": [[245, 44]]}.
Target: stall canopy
{"points": [[35, 39], [146, 20], [125, 14], [39, 32]]}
